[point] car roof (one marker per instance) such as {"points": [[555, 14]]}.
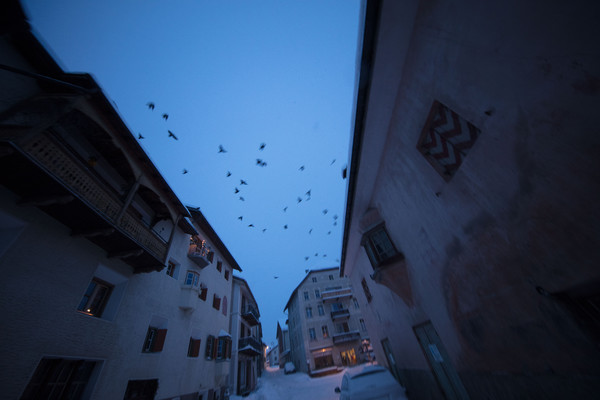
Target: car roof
{"points": [[363, 370]]}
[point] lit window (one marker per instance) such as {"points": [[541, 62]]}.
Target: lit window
{"points": [[378, 246], [320, 309], [325, 331], [312, 334], [446, 139], [155, 340], [95, 298], [308, 312], [192, 278], [305, 295]]}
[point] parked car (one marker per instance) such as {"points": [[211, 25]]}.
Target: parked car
{"points": [[289, 368], [370, 382]]}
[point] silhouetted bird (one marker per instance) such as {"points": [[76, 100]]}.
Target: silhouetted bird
{"points": [[299, 200], [325, 211], [264, 230], [332, 162], [140, 136], [285, 227], [308, 193], [262, 146], [165, 116], [324, 255], [285, 209], [241, 217], [242, 199], [310, 231], [258, 161], [306, 271], [335, 216], [329, 233], [335, 224], [150, 105], [301, 168], [236, 191], [228, 174], [316, 254], [171, 134], [221, 149], [306, 258], [243, 182], [337, 259], [185, 171], [275, 277], [251, 226]]}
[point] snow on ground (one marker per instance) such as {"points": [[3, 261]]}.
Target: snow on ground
{"points": [[275, 385]]}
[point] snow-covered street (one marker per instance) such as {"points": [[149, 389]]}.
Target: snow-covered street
{"points": [[274, 385]]}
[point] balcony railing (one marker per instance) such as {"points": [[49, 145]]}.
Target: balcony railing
{"points": [[340, 314], [345, 337], [330, 296], [249, 346], [251, 316], [74, 176], [200, 254]]}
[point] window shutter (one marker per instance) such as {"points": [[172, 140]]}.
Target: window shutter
{"points": [[203, 293], [229, 348], [159, 342], [195, 347], [214, 347], [209, 347], [211, 256]]}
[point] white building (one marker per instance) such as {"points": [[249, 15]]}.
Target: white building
{"points": [[273, 356], [112, 288], [326, 327], [247, 353], [283, 344]]}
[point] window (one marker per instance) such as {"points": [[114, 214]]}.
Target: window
{"points": [[171, 267], [308, 312], [219, 266], [224, 348], [317, 294], [192, 278], [320, 309], [314, 279], [330, 277], [210, 351], [378, 246], [325, 331], [355, 303], [305, 295], [155, 340], [141, 389], [363, 282], [226, 275], [446, 139], [312, 334], [211, 256], [216, 302], [363, 327], [95, 298], [203, 293], [59, 378], [193, 348]]}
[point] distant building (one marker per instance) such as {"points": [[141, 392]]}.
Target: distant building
{"points": [[247, 347], [471, 232], [113, 288], [326, 327], [273, 356], [283, 344]]}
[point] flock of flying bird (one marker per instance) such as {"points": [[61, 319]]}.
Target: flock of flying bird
{"points": [[261, 163]]}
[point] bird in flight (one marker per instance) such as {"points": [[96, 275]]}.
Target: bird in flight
{"points": [[306, 258], [261, 162], [299, 200], [251, 226], [329, 233], [262, 146], [316, 254], [264, 230], [243, 182], [310, 231], [165, 116], [285, 227], [308, 193], [228, 174], [241, 217], [140, 136], [221, 149], [185, 171], [332, 162], [301, 168], [285, 209], [171, 134], [325, 211], [237, 190], [335, 216], [275, 277], [150, 105], [335, 223], [242, 199]]}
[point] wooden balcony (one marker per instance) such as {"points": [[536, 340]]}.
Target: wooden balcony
{"points": [[340, 314], [333, 296], [249, 346], [251, 316], [345, 337], [46, 174]]}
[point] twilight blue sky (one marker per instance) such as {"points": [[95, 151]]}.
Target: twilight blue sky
{"points": [[236, 74]]}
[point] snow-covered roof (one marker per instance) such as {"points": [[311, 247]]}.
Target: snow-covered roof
{"points": [[222, 333]]}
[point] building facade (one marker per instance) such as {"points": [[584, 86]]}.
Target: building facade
{"points": [[246, 330], [326, 327], [283, 345], [273, 356], [471, 229], [114, 289]]}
